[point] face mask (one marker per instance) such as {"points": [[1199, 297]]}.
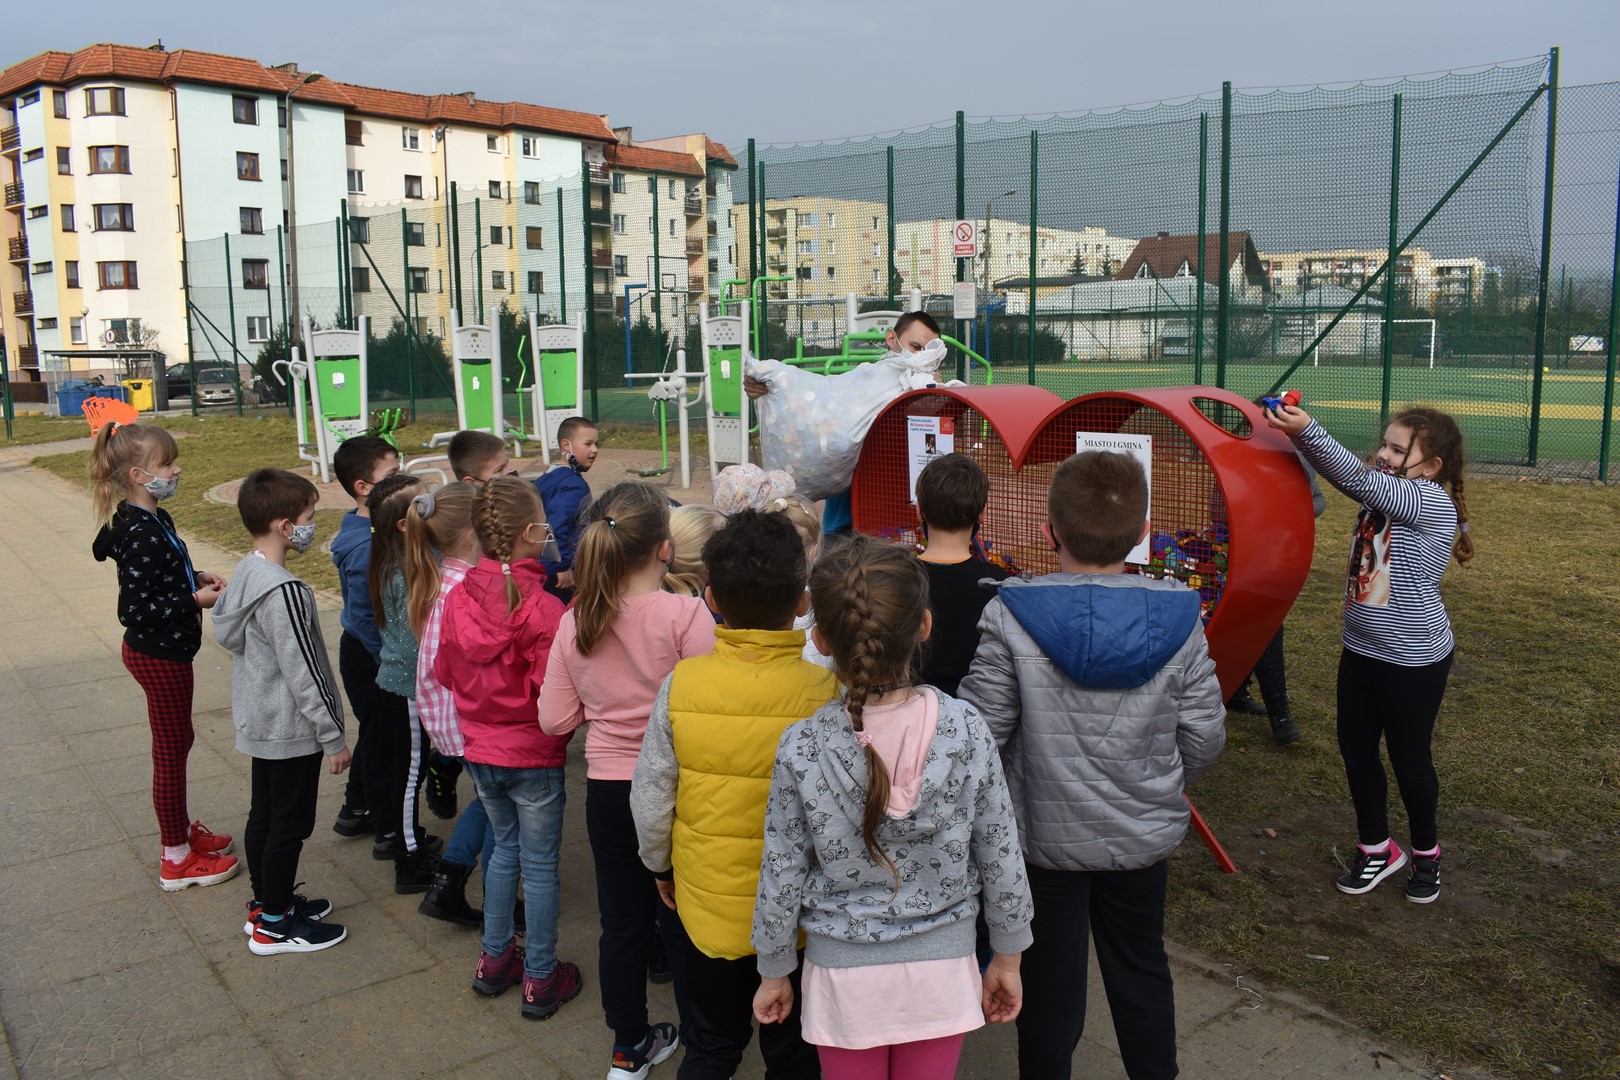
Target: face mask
{"points": [[302, 536], [160, 488]]}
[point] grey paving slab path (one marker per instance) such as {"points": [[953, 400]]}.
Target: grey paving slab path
{"points": [[102, 974]]}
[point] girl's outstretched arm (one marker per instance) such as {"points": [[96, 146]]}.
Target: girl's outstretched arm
{"points": [[1401, 499]]}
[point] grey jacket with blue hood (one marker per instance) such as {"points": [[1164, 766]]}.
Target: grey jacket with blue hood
{"points": [[1100, 691], [284, 699]]}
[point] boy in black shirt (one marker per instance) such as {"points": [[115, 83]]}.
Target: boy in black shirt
{"points": [[951, 493]]}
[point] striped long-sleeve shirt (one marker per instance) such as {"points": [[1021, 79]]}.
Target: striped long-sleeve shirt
{"points": [[435, 704], [1398, 553]]}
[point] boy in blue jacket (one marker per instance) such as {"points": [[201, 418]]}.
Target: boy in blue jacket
{"points": [[566, 495], [1098, 687], [361, 463]]}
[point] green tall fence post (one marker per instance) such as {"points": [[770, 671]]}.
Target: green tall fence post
{"points": [[1609, 350], [1034, 244], [410, 331], [657, 284], [1540, 360], [753, 239], [1223, 289], [590, 289], [478, 255], [230, 306], [337, 237], [455, 252], [888, 284], [1389, 279], [764, 266], [562, 269], [961, 213], [191, 350], [1203, 200], [346, 266]]}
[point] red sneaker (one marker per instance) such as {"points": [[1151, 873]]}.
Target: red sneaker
{"points": [[207, 841], [198, 868]]}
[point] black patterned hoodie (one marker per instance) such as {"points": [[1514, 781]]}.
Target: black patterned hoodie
{"points": [[155, 583]]}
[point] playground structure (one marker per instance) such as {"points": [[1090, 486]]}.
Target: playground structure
{"points": [[475, 370], [558, 391], [725, 347], [339, 403]]}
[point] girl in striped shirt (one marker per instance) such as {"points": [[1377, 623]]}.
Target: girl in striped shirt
{"points": [[1397, 636]]}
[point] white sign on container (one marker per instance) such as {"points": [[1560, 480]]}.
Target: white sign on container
{"points": [[1139, 447]]}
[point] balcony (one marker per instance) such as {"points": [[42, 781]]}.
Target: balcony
{"points": [[28, 356], [694, 205], [776, 232], [602, 259], [714, 228], [17, 248], [14, 194], [10, 138], [602, 216], [602, 302], [599, 172], [694, 246], [22, 303]]}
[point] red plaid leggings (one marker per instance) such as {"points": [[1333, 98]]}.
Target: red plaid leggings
{"points": [[168, 685]]}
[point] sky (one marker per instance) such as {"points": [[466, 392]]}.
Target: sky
{"points": [[829, 69]]}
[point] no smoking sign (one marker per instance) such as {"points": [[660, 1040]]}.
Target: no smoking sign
{"points": [[965, 240]]}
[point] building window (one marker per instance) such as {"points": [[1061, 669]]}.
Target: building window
{"points": [[652, 185], [537, 282], [281, 114], [70, 274], [410, 138], [252, 219], [413, 187], [874, 276], [68, 224], [619, 224], [832, 272], [286, 174], [255, 273], [30, 98], [76, 330], [357, 181], [531, 192], [36, 154], [531, 146], [360, 279], [672, 226], [352, 132], [104, 101], [674, 189], [495, 189], [417, 279], [874, 223], [42, 268], [621, 266], [360, 230], [38, 212], [109, 159], [415, 234], [258, 327], [116, 275], [64, 161], [497, 280], [244, 109], [616, 183], [47, 324], [810, 220], [114, 217], [495, 237], [247, 166], [59, 103], [492, 143], [534, 238]]}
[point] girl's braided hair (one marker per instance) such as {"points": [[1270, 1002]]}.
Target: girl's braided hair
{"points": [[1443, 439], [505, 506]]}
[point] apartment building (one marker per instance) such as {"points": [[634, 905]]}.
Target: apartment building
{"points": [[711, 238], [923, 252], [1421, 277]]}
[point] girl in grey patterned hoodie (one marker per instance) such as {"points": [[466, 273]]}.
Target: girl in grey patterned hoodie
{"points": [[888, 825]]}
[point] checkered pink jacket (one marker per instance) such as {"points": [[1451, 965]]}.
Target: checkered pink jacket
{"points": [[435, 704]]}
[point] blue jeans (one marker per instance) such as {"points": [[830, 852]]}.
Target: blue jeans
{"points": [[525, 808], [471, 835]]}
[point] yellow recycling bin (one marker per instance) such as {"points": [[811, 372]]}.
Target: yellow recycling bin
{"points": [[141, 394]]}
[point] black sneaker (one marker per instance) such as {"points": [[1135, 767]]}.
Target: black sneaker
{"points": [[1371, 868], [293, 933], [439, 791], [303, 906], [634, 1062], [1284, 731], [388, 848], [351, 822], [1423, 885], [1244, 702]]}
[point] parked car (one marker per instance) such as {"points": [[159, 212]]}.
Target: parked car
{"points": [[216, 384]]}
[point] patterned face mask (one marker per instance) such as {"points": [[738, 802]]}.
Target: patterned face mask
{"points": [[301, 537], [159, 488]]}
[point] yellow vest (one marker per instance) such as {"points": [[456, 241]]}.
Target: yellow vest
{"points": [[727, 712]]}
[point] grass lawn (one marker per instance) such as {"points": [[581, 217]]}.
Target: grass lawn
{"points": [[1517, 968], [31, 430]]}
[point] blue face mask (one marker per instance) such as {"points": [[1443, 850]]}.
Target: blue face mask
{"points": [[160, 488]]}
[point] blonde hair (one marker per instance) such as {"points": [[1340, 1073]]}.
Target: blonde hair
{"points": [[502, 509], [804, 519], [435, 523], [624, 528], [119, 448], [689, 529]]}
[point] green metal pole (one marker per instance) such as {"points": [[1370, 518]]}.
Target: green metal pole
{"points": [[455, 250], [230, 307], [1034, 243], [562, 269], [478, 253], [590, 290], [1203, 199], [337, 235], [1540, 359], [753, 240], [191, 349], [346, 267], [410, 331], [1223, 288], [961, 214], [1389, 278], [657, 282], [764, 263], [1609, 352], [888, 284]]}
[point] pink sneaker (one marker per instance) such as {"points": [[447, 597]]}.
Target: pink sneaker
{"points": [[206, 840], [495, 973], [198, 868]]}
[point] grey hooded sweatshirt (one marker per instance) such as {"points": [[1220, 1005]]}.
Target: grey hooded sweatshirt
{"points": [[284, 699]]}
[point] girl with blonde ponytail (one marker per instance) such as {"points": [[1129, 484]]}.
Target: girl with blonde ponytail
{"points": [[889, 827], [161, 597], [615, 648]]}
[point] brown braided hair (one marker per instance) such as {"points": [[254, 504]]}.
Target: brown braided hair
{"points": [[505, 506], [1443, 439], [870, 599]]}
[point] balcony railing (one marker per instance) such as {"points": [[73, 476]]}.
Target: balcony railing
{"points": [[22, 303], [17, 248], [601, 215], [599, 172], [602, 258], [694, 205], [28, 356], [694, 245], [14, 194], [714, 228], [602, 302], [10, 138]]}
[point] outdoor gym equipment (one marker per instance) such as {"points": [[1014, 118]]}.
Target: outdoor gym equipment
{"points": [[559, 383], [725, 345], [475, 361], [340, 404], [670, 389]]}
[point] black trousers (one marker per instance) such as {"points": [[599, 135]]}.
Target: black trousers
{"points": [[367, 768], [1398, 705], [281, 818], [398, 741], [1272, 674], [1124, 913], [627, 898], [720, 1001]]}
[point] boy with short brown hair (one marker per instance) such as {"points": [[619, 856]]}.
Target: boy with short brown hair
{"points": [[951, 494]]}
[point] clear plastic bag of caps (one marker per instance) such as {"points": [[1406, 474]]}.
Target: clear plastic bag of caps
{"points": [[812, 425]]}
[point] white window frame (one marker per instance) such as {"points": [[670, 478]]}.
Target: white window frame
{"points": [[410, 138]]}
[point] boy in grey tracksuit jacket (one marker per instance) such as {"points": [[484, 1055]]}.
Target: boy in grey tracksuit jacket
{"points": [[1099, 689]]}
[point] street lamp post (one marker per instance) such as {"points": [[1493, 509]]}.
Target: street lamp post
{"points": [[292, 205], [989, 209]]}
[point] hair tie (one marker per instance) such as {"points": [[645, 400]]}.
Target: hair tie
{"points": [[1463, 526], [506, 568], [424, 505], [113, 427], [611, 523], [863, 739]]}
